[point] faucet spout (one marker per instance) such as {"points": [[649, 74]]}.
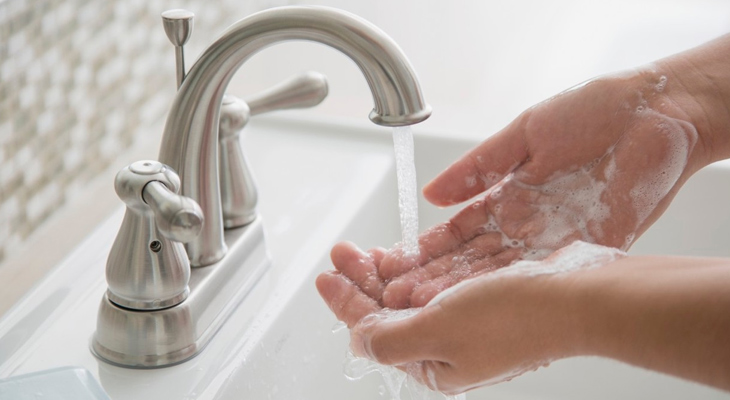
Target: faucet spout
{"points": [[190, 139]]}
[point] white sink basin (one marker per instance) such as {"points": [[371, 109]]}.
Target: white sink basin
{"points": [[321, 183]]}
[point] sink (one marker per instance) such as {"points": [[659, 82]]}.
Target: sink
{"points": [[320, 183]]}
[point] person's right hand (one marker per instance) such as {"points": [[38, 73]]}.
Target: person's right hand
{"points": [[597, 163]]}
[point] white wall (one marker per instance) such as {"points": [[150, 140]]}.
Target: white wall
{"points": [[482, 62]]}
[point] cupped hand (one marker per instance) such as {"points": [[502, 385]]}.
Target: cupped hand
{"points": [[486, 330], [598, 163]]}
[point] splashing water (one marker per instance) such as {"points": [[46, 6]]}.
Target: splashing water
{"points": [[395, 380], [339, 326], [398, 384], [407, 188]]}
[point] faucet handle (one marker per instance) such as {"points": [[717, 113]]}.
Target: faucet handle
{"points": [[302, 91], [148, 268], [238, 190], [178, 26], [178, 218]]}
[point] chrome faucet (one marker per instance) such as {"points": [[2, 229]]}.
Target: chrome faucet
{"points": [[190, 139], [200, 143]]}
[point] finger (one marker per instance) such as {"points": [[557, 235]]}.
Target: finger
{"points": [[358, 267], [395, 263], [397, 293], [472, 221], [377, 254], [391, 339], [481, 167], [426, 291], [344, 298]]}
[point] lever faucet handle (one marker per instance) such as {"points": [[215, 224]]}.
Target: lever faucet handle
{"points": [[238, 190], [148, 268], [178, 26], [178, 218], [302, 91]]}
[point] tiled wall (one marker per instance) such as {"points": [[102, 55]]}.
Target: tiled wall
{"points": [[80, 81]]}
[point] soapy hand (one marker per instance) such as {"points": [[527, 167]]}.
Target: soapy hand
{"points": [[597, 163], [499, 325], [514, 319]]}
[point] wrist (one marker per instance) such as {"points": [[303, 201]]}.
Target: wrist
{"points": [[698, 83], [606, 311], [592, 314], [569, 316]]}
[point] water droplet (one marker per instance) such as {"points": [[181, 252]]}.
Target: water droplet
{"points": [[338, 326]]}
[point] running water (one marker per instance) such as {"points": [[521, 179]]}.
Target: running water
{"points": [[397, 384], [407, 189], [397, 381]]}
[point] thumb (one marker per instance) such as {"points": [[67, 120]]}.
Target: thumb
{"points": [[392, 337], [481, 167]]}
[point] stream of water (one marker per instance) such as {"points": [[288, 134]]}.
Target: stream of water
{"points": [[356, 368], [407, 189]]}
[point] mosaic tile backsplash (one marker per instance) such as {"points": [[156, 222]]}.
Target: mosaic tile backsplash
{"points": [[80, 81]]}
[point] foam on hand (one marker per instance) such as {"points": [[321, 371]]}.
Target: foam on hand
{"points": [[572, 209]]}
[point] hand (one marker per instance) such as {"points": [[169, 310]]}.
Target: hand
{"points": [[491, 328], [502, 324], [597, 163]]}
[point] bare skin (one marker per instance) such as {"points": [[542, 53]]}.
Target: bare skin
{"points": [[626, 143], [676, 322], [548, 164]]}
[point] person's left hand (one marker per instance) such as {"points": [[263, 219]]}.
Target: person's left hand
{"points": [[491, 328]]}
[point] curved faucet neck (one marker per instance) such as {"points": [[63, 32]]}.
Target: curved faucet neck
{"points": [[190, 139]]}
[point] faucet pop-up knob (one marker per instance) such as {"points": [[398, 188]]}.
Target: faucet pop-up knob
{"points": [[178, 26], [148, 268]]}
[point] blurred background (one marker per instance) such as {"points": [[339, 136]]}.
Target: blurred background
{"points": [[85, 86]]}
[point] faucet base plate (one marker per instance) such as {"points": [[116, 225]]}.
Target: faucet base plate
{"points": [[161, 338]]}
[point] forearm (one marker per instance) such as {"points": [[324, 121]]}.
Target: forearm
{"points": [[669, 314], [699, 82]]}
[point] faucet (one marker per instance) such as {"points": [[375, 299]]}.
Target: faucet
{"points": [[200, 192], [190, 138]]}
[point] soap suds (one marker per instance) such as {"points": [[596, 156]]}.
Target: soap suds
{"points": [[679, 137], [572, 208], [570, 205], [470, 181], [576, 256], [490, 178]]}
